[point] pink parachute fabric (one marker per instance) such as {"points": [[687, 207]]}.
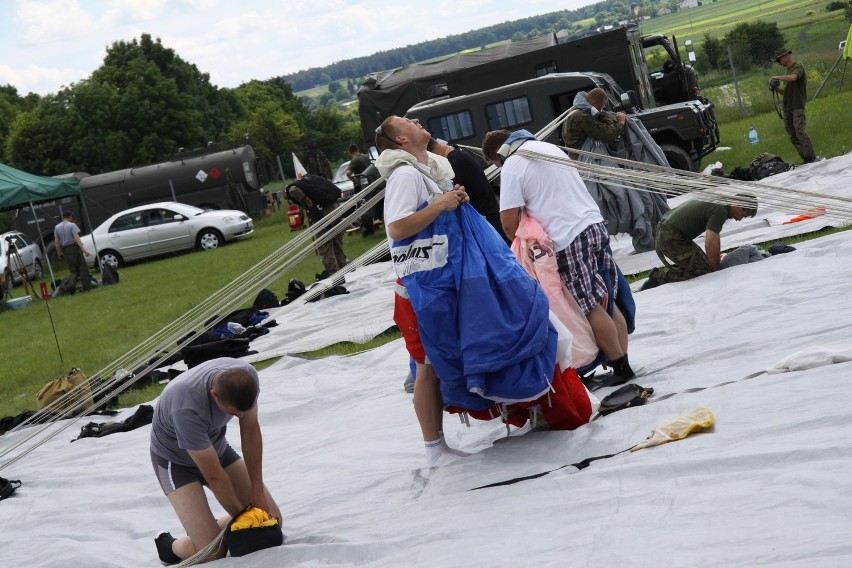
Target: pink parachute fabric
{"points": [[534, 251]]}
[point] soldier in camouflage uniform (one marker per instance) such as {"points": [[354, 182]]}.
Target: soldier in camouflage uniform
{"points": [[676, 233]]}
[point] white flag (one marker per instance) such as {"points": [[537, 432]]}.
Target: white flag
{"points": [[300, 169]]}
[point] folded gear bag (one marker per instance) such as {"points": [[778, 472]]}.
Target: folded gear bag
{"points": [[252, 530], [7, 487], [625, 397], [76, 383]]}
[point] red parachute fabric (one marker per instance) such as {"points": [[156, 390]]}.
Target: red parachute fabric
{"points": [[565, 407]]}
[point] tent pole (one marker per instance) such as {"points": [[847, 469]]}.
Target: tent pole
{"points": [[91, 230], [43, 246], [828, 75]]}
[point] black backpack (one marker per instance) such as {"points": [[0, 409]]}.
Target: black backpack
{"points": [[321, 191], [109, 275], [266, 299], [766, 165]]}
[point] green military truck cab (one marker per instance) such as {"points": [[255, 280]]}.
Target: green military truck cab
{"points": [[668, 104], [684, 131]]}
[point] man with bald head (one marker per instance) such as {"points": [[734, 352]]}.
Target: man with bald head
{"points": [[419, 189], [189, 451]]}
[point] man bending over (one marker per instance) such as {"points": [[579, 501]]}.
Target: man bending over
{"points": [[189, 451]]}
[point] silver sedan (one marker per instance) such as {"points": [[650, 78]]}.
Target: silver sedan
{"points": [[18, 255], [161, 228]]}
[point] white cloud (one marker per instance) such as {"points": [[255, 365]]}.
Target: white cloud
{"points": [[56, 42]]}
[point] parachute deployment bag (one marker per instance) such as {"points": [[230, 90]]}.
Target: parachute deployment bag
{"points": [[7, 487], [60, 386], [242, 540], [625, 397]]}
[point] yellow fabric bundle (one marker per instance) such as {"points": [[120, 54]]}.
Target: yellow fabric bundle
{"points": [[678, 428], [253, 518]]}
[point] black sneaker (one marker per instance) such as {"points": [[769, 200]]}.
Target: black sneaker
{"points": [[164, 549], [652, 281], [621, 368]]}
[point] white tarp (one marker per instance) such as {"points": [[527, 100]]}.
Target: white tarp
{"points": [[768, 485]]}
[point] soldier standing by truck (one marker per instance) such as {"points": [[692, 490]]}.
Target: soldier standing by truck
{"points": [[586, 119]]}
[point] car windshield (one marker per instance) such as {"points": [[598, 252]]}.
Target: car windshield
{"points": [[340, 175], [190, 210]]}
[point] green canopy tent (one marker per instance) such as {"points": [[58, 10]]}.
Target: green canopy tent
{"points": [[18, 189]]}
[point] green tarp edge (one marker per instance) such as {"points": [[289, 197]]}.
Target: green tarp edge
{"points": [[19, 188]]}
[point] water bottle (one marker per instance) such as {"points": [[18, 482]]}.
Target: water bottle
{"points": [[752, 135]]}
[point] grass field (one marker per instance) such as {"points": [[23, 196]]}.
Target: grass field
{"points": [[97, 328], [718, 18]]}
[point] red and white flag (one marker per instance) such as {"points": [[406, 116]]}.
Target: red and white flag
{"points": [[300, 169]]}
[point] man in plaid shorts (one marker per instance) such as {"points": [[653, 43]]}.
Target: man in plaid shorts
{"points": [[556, 197]]}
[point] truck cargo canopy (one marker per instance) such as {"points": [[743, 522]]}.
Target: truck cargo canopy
{"points": [[384, 93]]}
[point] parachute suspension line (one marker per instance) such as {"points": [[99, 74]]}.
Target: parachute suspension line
{"points": [[671, 182], [115, 378], [202, 555]]}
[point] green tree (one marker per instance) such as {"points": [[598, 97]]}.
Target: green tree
{"points": [[760, 39], [139, 107], [714, 51], [272, 131], [33, 144]]}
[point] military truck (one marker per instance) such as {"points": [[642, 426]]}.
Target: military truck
{"points": [[199, 177], [454, 97]]}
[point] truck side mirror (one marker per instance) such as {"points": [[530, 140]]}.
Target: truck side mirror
{"points": [[628, 100]]}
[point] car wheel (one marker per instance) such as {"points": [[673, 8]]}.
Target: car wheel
{"points": [[209, 239], [112, 258], [678, 158], [38, 272], [6, 283]]}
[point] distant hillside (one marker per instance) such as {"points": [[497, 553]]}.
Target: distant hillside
{"points": [[601, 13]]}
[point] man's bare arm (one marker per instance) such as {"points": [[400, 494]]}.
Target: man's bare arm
{"points": [[712, 246], [510, 219], [218, 481], [252, 446]]}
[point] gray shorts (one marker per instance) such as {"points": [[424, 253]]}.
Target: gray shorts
{"points": [[173, 476]]}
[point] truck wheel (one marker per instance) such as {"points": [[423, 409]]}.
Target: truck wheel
{"points": [[209, 239], [678, 158], [38, 272]]}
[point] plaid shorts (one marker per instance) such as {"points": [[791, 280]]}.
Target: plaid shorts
{"points": [[579, 265]]}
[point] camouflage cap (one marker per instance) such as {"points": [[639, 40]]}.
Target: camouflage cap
{"points": [[779, 53]]}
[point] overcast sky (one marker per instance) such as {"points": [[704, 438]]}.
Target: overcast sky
{"points": [[50, 43]]}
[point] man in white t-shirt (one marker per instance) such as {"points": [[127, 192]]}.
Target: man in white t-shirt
{"points": [[554, 195], [417, 177]]}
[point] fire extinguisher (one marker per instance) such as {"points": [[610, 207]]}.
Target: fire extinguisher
{"points": [[294, 214]]}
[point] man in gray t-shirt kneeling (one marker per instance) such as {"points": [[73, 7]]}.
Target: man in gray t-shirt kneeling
{"points": [[189, 450]]}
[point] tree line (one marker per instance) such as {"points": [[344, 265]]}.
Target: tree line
{"points": [[607, 12], [145, 102]]}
